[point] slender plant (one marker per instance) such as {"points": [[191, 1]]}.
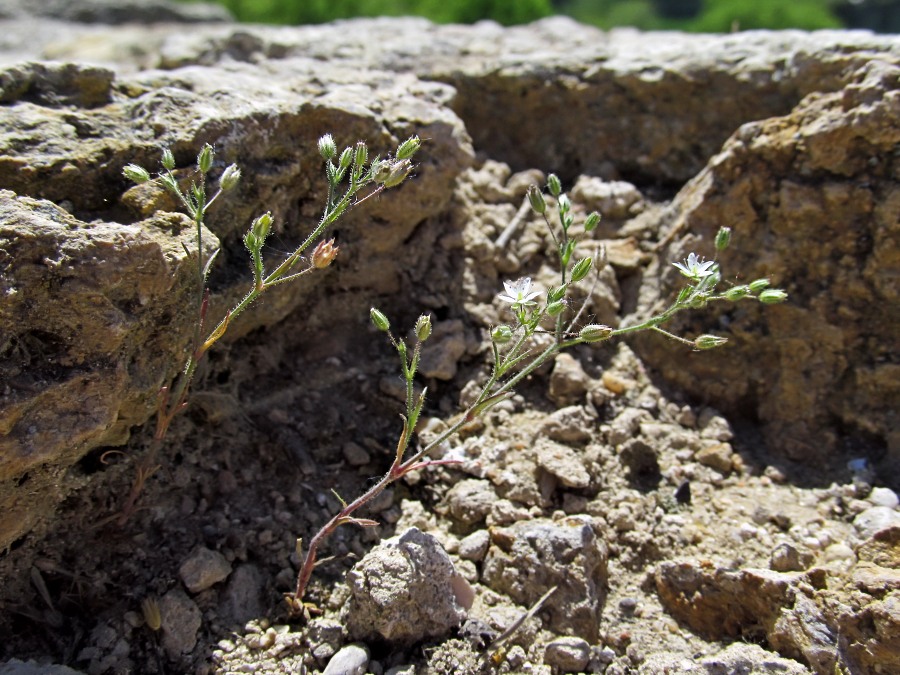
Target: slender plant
{"points": [[352, 179], [515, 355]]}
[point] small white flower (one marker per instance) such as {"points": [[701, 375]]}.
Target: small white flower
{"points": [[519, 293], [696, 268]]}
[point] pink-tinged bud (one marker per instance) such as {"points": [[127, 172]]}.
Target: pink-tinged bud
{"points": [[324, 254]]}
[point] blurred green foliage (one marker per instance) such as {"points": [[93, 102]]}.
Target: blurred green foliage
{"points": [[687, 15], [441, 11]]}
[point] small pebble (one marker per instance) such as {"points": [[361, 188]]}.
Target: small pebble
{"points": [[567, 654], [881, 496], [350, 660]]}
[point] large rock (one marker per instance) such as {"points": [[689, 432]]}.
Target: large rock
{"points": [[94, 289], [814, 203]]}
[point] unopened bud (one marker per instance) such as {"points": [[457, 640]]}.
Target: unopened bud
{"points": [[723, 238], [554, 185], [379, 320], [230, 177], [564, 204], [772, 296], [709, 341], [168, 159], [260, 227], [582, 269], [591, 222], [346, 158], [408, 148], [361, 154], [758, 285], [502, 334], [136, 174], [205, 158], [327, 147], [595, 333], [324, 254], [536, 199], [558, 293], [398, 171], [423, 328], [556, 308], [737, 292]]}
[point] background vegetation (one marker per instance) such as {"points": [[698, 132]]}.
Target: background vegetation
{"points": [[690, 15]]}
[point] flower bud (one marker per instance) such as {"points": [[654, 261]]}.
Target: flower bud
{"points": [[251, 241], [554, 185], [536, 198], [723, 238], [408, 148], [558, 293], [136, 174], [361, 154], [582, 269], [346, 158], [591, 222], [152, 614], [168, 159], [230, 177], [759, 285], [397, 173], [709, 341], [260, 227], [772, 296], [423, 328], [379, 320], [595, 333], [324, 254], [736, 293], [564, 204], [205, 159], [556, 308], [327, 147], [502, 334]]}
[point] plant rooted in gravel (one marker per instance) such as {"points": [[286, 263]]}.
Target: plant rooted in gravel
{"points": [[517, 351], [349, 173]]}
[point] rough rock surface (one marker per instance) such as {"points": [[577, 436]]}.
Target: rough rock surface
{"points": [[662, 471]]}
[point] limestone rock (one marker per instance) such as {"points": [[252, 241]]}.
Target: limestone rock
{"points": [[529, 557], [405, 590]]}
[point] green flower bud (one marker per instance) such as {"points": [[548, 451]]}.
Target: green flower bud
{"points": [[136, 174], [327, 147], [582, 269], [168, 159], [205, 159], [397, 173], [555, 294], [230, 177], [595, 333], [502, 334], [564, 204], [759, 285], [554, 185], [536, 198], [251, 241], [556, 308], [772, 296], [736, 293], [709, 341], [361, 154], [170, 183], [591, 222], [423, 328], [346, 158], [408, 148], [260, 227], [379, 320], [723, 238]]}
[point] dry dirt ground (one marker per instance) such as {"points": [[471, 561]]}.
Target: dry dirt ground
{"points": [[285, 418]]}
